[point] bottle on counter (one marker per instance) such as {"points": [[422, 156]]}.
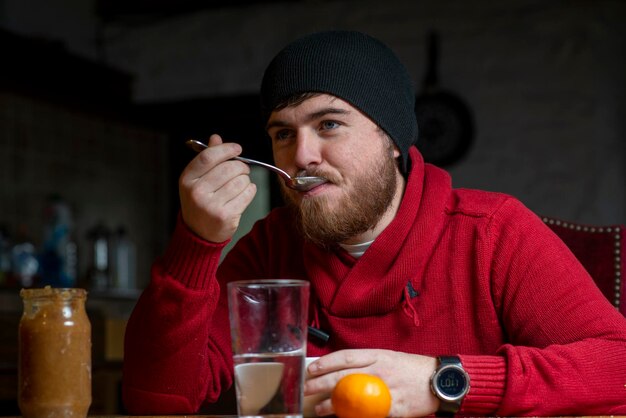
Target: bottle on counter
{"points": [[23, 260], [54, 366], [58, 258], [99, 272], [123, 266]]}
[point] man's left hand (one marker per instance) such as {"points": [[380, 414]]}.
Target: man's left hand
{"points": [[407, 376]]}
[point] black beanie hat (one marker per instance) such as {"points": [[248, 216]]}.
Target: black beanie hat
{"points": [[354, 67]]}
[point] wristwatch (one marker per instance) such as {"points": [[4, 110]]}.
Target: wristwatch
{"points": [[450, 383]]}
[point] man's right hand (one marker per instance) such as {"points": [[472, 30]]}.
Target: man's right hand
{"points": [[215, 190]]}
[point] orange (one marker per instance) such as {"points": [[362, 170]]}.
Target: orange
{"points": [[361, 396]]}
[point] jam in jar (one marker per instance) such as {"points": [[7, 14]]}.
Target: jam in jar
{"points": [[54, 354]]}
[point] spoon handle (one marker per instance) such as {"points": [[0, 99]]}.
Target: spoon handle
{"points": [[200, 146], [270, 167]]}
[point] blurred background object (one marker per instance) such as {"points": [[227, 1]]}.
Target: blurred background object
{"points": [[124, 264], [58, 257]]}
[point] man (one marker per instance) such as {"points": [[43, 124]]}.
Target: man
{"points": [[408, 276]]}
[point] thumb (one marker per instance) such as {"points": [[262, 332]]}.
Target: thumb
{"points": [[215, 139]]}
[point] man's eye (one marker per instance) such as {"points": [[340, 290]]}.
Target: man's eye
{"points": [[282, 135], [329, 124]]}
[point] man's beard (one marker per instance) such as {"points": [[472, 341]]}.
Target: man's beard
{"points": [[358, 212]]}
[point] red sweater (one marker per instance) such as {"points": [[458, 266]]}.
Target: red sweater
{"points": [[456, 272]]}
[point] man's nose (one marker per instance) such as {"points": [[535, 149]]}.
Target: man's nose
{"points": [[307, 150]]}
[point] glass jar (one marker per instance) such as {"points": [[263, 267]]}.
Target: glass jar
{"points": [[54, 354]]}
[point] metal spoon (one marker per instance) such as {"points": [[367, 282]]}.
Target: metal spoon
{"points": [[300, 183]]}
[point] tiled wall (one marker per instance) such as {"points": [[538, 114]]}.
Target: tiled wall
{"points": [[108, 170]]}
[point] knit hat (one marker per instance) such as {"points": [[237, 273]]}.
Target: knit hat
{"points": [[354, 67]]}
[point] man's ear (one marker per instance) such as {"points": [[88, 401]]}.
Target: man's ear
{"points": [[396, 151]]}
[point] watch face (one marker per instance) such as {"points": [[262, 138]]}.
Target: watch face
{"points": [[452, 383]]}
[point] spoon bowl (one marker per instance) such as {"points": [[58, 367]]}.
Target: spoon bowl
{"points": [[299, 183]]}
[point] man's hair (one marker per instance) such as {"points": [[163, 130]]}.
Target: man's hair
{"points": [[295, 100]]}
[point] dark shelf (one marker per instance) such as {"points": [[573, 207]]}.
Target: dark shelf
{"points": [[46, 70]]}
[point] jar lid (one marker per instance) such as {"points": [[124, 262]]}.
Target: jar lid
{"points": [[53, 293]]}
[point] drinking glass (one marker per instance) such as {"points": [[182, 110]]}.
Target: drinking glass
{"points": [[268, 325]]}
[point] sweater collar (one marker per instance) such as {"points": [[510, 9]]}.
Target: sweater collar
{"points": [[374, 284]]}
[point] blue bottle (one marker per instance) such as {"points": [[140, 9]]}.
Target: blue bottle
{"points": [[58, 260]]}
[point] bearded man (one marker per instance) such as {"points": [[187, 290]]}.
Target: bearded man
{"points": [[407, 274]]}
